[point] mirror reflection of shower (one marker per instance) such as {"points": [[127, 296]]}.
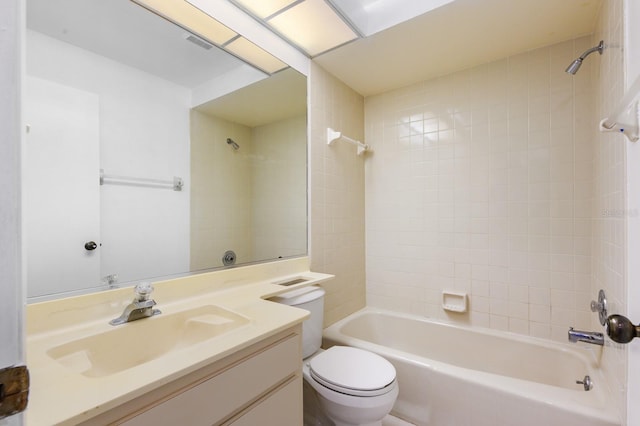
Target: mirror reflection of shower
{"points": [[233, 144], [575, 65]]}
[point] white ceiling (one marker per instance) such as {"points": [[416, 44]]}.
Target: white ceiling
{"points": [[125, 32], [283, 95], [456, 36]]}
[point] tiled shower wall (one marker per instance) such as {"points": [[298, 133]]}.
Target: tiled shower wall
{"points": [[219, 172], [610, 205], [278, 184], [337, 194], [261, 184], [481, 182]]}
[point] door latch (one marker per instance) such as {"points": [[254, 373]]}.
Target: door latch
{"points": [[14, 390]]}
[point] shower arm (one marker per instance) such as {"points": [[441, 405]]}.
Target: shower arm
{"points": [[599, 48], [575, 65]]}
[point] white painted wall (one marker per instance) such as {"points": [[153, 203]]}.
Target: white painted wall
{"points": [[144, 132], [11, 286], [63, 125]]}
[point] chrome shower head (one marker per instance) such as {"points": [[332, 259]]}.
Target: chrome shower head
{"points": [[575, 65], [233, 144]]}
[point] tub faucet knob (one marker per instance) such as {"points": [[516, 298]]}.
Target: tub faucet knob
{"points": [[586, 382]]}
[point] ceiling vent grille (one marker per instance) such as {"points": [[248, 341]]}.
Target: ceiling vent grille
{"points": [[198, 41]]}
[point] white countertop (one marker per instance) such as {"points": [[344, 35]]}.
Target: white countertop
{"points": [[60, 395]]}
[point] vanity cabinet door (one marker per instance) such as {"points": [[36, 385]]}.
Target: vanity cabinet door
{"points": [[230, 391], [281, 408]]}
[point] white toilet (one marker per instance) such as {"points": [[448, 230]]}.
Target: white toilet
{"points": [[354, 386]]}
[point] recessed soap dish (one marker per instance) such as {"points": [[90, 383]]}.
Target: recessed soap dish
{"points": [[454, 301]]}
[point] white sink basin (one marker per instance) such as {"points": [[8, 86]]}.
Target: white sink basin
{"points": [[141, 341]]}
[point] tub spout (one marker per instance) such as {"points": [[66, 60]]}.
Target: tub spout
{"points": [[592, 337]]}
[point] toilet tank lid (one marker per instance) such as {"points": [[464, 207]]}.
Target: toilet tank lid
{"points": [[299, 296]]}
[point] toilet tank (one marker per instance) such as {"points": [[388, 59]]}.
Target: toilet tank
{"points": [[311, 299]]}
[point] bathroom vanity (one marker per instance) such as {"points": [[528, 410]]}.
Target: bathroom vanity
{"points": [[258, 385], [218, 354]]}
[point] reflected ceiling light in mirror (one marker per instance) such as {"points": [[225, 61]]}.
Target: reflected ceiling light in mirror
{"points": [[255, 55], [312, 25], [190, 18], [207, 28]]}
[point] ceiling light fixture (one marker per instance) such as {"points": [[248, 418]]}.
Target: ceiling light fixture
{"points": [[372, 16], [312, 25], [265, 8]]}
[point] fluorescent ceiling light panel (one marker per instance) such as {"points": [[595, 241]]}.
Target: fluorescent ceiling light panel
{"points": [[372, 16], [190, 18], [255, 55], [314, 26], [264, 8]]}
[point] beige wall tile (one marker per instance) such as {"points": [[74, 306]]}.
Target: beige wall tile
{"points": [[481, 165], [607, 268], [337, 194]]}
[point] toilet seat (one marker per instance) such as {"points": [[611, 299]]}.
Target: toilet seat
{"points": [[353, 371]]}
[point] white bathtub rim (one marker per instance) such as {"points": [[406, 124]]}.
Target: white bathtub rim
{"points": [[591, 354], [595, 403]]}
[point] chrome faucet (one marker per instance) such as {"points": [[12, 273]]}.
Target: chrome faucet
{"points": [[592, 337], [140, 307]]}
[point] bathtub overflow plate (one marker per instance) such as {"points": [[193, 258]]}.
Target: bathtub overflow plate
{"points": [[229, 258], [600, 307]]}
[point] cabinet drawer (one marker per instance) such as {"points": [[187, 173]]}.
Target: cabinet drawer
{"points": [[223, 394], [283, 408]]}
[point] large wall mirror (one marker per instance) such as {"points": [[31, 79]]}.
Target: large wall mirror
{"points": [[132, 172]]}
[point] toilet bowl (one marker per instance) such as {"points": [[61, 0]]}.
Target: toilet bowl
{"points": [[354, 387]]}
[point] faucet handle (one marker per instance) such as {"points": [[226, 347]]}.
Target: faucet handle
{"points": [[143, 290]]}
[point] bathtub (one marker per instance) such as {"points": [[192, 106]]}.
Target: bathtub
{"points": [[455, 375]]}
